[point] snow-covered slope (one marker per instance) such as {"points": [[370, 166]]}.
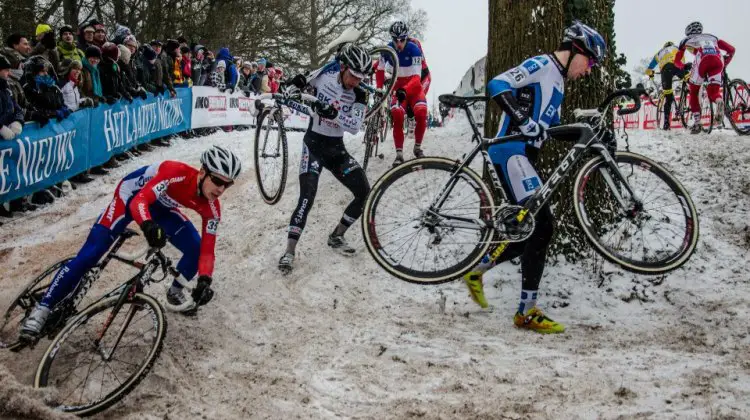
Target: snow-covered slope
{"points": [[340, 338]]}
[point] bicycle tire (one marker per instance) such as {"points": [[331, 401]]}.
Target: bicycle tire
{"points": [[42, 378], [653, 91], [684, 108], [25, 300], [659, 113], [374, 239], [379, 99], [589, 172], [738, 99], [704, 95], [370, 137], [269, 196]]}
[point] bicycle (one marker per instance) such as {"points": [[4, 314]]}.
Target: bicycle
{"points": [[82, 335], [685, 114], [430, 220], [272, 157], [736, 96], [653, 90], [376, 130]]}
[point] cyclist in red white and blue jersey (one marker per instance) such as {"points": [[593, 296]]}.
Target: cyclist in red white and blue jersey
{"points": [[707, 66], [152, 196], [409, 91]]}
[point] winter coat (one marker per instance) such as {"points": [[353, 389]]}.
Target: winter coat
{"points": [[91, 85], [178, 78], [71, 96], [70, 52], [246, 83], [167, 67], [9, 109], [218, 78], [231, 74], [146, 74], [111, 78], [44, 98], [260, 84], [47, 49]]}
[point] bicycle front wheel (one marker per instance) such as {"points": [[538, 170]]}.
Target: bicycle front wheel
{"points": [[421, 238], [369, 140], [377, 99], [93, 372], [271, 155], [652, 231], [738, 106]]}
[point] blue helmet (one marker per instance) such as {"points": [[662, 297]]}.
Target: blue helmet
{"points": [[588, 39]]}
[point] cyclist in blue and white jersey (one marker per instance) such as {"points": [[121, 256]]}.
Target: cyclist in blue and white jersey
{"points": [[530, 96], [337, 85]]}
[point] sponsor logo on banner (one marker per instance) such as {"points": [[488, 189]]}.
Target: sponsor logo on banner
{"points": [[130, 123], [37, 160], [211, 103]]}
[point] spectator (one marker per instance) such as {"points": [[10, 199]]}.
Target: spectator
{"points": [[91, 85], [178, 79], [44, 98], [187, 65], [260, 84], [66, 46], [17, 48], [182, 42], [199, 74], [218, 79], [100, 34], [86, 36], [121, 32], [272, 80], [113, 87], [231, 78], [46, 46], [70, 71], [167, 56], [11, 114], [128, 74], [246, 78]]}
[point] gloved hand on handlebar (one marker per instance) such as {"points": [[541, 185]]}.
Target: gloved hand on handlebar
{"points": [[534, 132], [291, 92], [155, 235], [650, 73], [202, 294], [324, 110], [299, 81]]}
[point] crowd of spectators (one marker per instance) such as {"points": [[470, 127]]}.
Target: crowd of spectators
{"points": [[61, 71]]}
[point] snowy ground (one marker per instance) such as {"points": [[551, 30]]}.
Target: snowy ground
{"points": [[340, 338]]}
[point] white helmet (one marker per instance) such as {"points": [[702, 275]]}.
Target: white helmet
{"points": [[221, 161], [357, 59]]}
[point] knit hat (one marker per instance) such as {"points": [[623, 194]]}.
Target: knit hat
{"points": [[42, 28], [155, 42], [110, 51], [65, 28], [96, 24], [221, 63], [131, 41], [262, 62], [92, 51], [67, 65], [149, 53], [247, 64], [4, 63]]}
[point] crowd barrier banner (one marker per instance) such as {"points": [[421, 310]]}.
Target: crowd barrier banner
{"points": [[44, 156], [212, 108]]}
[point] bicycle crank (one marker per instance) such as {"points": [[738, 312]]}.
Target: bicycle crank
{"points": [[514, 223]]}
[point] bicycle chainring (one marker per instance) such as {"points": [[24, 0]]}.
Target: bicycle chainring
{"points": [[508, 226]]}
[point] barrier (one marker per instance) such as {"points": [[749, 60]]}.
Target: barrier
{"points": [[212, 108]]}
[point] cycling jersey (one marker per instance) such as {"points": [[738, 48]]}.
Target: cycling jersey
{"points": [[708, 65], [152, 192], [538, 87], [665, 56], [703, 45], [351, 104], [410, 60]]}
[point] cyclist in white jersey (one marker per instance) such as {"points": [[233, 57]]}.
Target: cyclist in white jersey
{"points": [[337, 85]]}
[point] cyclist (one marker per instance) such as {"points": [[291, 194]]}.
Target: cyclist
{"points": [[707, 66], [530, 96], [426, 79], [665, 60], [408, 88], [337, 85], [151, 196]]}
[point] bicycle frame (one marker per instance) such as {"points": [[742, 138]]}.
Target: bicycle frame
{"points": [[587, 139]]}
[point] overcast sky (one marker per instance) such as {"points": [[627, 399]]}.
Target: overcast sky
{"points": [[456, 34]]}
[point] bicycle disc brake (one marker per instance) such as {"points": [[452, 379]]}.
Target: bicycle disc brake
{"points": [[507, 224]]}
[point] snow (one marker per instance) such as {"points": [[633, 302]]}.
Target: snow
{"points": [[340, 338]]}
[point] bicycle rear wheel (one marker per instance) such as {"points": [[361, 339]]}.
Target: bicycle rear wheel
{"points": [[271, 155], [92, 374], [738, 106], [656, 230], [20, 307], [377, 99], [370, 139], [423, 243]]}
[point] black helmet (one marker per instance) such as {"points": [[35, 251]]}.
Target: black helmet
{"points": [[356, 59], [694, 28], [399, 30], [668, 44]]}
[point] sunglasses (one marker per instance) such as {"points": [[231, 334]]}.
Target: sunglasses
{"points": [[592, 61], [399, 40], [220, 182]]}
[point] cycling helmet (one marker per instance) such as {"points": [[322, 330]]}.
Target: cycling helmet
{"points": [[588, 39], [694, 28], [221, 161], [399, 30], [356, 59], [668, 44]]}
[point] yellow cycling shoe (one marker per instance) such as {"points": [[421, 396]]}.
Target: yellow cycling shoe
{"points": [[473, 280], [535, 320]]}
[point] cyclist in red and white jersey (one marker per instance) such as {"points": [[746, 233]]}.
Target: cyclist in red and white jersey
{"points": [[151, 196], [409, 90], [707, 66]]}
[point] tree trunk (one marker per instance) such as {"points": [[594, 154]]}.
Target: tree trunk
{"points": [[70, 12], [522, 29]]}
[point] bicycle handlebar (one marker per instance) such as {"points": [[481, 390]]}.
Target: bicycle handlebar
{"points": [[291, 101], [634, 94]]}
